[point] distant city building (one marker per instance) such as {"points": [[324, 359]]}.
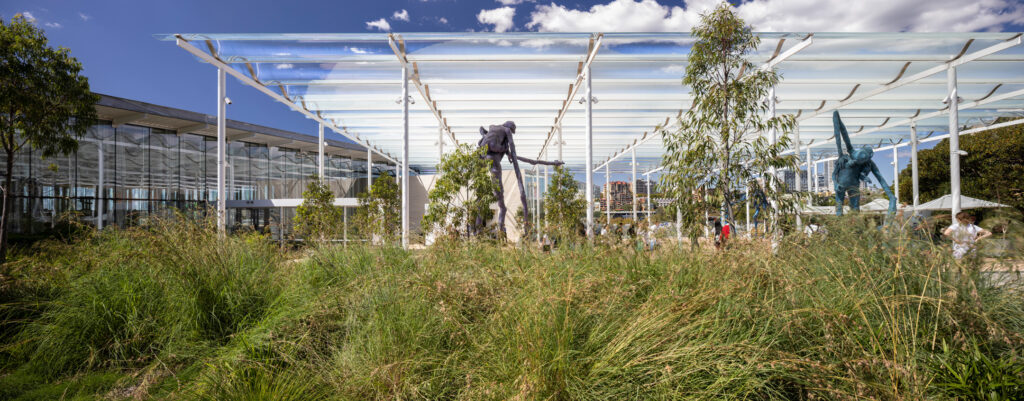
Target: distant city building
{"points": [[621, 195], [641, 187]]}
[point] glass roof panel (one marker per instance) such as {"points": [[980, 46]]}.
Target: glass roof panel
{"points": [[878, 81]]}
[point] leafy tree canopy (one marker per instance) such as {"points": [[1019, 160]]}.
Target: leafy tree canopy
{"points": [[317, 219], [721, 144], [993, 168], [564, 206], [44, 102], [461, 199], [378, 214]]}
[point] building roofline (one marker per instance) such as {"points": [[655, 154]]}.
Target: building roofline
{"points": [[137, 106]]}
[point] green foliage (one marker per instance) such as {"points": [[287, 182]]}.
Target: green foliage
{"points": [[317, 219], [972, 374], [993, 168], [378, 214], [462, 194], [858, 314], [564, 206], [44, 102], [720, 145]]}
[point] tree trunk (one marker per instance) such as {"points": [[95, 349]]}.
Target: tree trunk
{"points": [[6, 207]]}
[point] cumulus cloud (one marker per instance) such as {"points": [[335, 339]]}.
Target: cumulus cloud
{"points": [[401, 15], [285, 66], [53, 25], [443, 20], [381, 24], [501, 18], [514, 2], [84, 17], [28, 16], [785, 15]]}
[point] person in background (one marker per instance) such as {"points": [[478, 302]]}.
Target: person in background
{"points": [[813, 227], [965, 235], [718, 234]]}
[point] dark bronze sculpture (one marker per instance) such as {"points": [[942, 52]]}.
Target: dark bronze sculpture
{"points": [[852, 167], [497, 139]]}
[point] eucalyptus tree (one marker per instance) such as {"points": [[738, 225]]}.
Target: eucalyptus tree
{"points": [[317, 219], [378, 213], [45, 104], [564, 206], [460, 201], [720, 144]]}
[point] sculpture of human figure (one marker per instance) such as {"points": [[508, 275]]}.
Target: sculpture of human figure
{"points": [[499, 144], [851, 168]]}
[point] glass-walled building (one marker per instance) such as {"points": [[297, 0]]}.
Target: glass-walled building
{"points": [[143, 160]]}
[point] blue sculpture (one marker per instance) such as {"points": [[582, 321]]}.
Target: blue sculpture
{"points": [[852, 167]]}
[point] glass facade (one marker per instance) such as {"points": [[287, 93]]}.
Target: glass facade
{"points": [[149, 172]]}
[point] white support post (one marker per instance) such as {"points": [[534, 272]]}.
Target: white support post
{"points": [[954, 141], [746, 191], [405, 157], [221, 151], [100, 202], [344, 227], [589, 148], [796, 133], [649, 209], [607, 195], [913, 164], [560, 132], [679, 226], [320, 153], [773, 136], [545, 186], [632, 186], [811, 179], [896, 174], [440, 144], [536, 176], [369, 169]]}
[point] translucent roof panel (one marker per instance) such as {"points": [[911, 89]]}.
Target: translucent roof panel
{"points": [[460, 81]]}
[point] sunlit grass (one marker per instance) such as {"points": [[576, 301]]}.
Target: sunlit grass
{"points": [[171, 312]]}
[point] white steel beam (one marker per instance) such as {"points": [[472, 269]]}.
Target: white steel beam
{"points": [[184, 44], [320, 153], [589, 147], [766, 66], [398, 46], [954, 142], [221, 149], [584, 73], [913, 164]]}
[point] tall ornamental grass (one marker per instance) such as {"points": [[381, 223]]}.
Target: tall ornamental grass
{"points": [[173, 313]]}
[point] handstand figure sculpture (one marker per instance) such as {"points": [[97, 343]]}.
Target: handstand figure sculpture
{"points": [[852, 167], [498, 141]]}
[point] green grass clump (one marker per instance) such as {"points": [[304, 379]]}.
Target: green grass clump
{"points": [[171, 312]]}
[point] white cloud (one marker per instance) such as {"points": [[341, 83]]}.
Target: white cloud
{"points": [[357, 50], [381, 24], [443, 20], [285, 66], [28, 16], [84, 17], [514, 2], [402, 15], [53, 25], [786, 15], [501, 18]]}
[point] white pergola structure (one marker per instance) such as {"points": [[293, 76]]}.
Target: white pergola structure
{"points": [[615, 93]]}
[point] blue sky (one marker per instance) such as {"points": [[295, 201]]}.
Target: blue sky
{"points": [[113, 39]]}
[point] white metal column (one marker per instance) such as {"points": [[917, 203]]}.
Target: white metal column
{"points": [[221, 151], [405, 157], [560, 130], [546, 184], [896, 173], [913, 164], [773, 136], [632, 186], [536, 175], [100, 202], [440, 144], [811, 179], [369, 169], [589, 149], [320, 153], [649, 209], [607, 196], [796, 133], [954, 141]]}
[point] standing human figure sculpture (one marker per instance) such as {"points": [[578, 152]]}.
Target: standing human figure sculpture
{"points": [[852, 167], [497, 139]]}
